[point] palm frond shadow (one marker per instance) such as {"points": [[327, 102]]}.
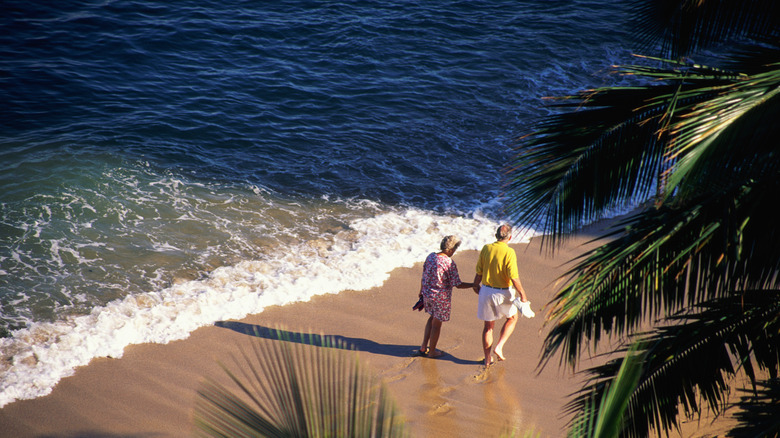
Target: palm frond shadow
{"points": [[360, 344], [758, 415]]}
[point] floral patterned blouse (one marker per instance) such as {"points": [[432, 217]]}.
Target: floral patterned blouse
{"points": [[440, 275]]}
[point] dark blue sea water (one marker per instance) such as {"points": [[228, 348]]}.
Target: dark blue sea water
{"points": [[164, 165]]}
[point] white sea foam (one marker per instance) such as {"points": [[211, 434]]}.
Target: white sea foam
{"points": [[357, 258]]}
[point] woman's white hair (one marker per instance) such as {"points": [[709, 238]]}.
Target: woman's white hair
{"points": [[450, 243]]}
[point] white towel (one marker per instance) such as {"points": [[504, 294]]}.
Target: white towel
{"points": [[524, 307]]}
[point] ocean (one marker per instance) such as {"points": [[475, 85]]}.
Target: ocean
{"points": [[167, 165]]}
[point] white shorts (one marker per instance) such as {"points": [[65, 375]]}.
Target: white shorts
{"points": [[495, 303]]}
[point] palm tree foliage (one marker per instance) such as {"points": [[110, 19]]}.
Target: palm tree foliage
{"points": [[642, 142], [298, 386], [697, 148], [691, 358], [758, 418], [684, 26], [602, 415]]}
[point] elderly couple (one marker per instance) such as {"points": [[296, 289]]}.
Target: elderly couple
{"points": [[496, 270]]}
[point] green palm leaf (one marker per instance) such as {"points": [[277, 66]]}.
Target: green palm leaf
{"points": [[744, 112], [602, 415], [697, 147], [668, 259], [690, 360], [290, 387], [627, 144]]}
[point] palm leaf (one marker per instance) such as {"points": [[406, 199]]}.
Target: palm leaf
{"points": [[691, 359], [685, 26], [700, 142], [605, 418], [744, 112], [291, 387], [626, 144], [668, 259]]}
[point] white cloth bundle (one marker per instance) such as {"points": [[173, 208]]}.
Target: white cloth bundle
{"points": [[524, 307]]}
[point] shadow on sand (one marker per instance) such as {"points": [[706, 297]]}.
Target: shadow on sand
{"points": [[360, 344]]}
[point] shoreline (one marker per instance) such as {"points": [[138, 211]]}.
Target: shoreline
{"points": [[151, 389]]}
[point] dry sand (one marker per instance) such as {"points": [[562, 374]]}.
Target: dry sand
{"points": [[151, 390]]}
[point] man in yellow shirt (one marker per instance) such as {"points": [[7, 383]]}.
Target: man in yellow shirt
{"points": [[497, 271]]}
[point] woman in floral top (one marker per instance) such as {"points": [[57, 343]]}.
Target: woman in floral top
{"points": [[440, 275]]}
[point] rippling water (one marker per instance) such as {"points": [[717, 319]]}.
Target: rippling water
{"points": [[167, 165]]}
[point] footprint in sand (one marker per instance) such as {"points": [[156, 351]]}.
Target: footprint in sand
{"points": [[399, 371], [480, 376], [438, 389], [484, 374], [446, 390], [393, 378], [456, 345], [441, 409]]}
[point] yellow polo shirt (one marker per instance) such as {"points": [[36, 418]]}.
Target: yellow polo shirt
{"points": [[497, 265]]}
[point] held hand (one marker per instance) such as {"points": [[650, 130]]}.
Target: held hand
{"points": [[477, 281]]}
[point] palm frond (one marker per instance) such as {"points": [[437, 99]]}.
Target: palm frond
{"points": [[754, 56], [701, 265], [690, 360], [605, 418], [288, 388], [625, 145], [546, 187], [745, 113], [684, 26], [668, 259]]}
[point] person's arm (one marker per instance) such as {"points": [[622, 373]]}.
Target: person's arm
{"points": [[519, 289], [456, 275], [475, 285], [479, 269]]}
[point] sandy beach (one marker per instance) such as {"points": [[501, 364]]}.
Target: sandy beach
{"points": [[151, 390]]}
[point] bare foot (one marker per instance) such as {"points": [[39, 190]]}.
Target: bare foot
{"points": [[435, 353], [499, 354], [488, 361]]}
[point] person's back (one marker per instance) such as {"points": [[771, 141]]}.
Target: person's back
{"points": [[497, 264]]}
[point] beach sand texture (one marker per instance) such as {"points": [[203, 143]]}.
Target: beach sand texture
{"points": [[151, 390]]}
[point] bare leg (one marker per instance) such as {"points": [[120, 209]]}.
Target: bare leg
{"points": [[427, 335], [506, 331], [435, 332], [487, 341]]}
